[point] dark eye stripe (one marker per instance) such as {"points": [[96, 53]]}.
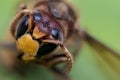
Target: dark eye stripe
{"points": [[22, 27]]}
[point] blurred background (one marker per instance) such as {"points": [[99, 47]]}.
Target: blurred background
{"points": [[101, 18]]}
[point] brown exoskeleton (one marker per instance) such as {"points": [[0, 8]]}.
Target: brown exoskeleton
{"points": [[43, 33]]}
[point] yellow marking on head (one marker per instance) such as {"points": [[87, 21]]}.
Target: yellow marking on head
{"points": [[27, 45], [38, 34], [28, 58]]}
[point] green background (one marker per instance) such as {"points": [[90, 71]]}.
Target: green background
{"points": [[101, 18]]}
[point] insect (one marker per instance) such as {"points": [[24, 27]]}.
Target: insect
{"points": [[49, 33]]}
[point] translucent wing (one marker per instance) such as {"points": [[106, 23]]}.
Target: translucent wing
{"points": [[109, 57]]}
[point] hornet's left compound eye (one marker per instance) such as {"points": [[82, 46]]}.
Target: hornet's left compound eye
{"points": [[55, 33], [22, 27]]}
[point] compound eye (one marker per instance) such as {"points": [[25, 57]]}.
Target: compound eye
{"points": [[55, 33], [22, 27], [37, 16]]}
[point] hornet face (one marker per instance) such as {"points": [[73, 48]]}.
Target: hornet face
{"points": [[39, 31], [32, 31]]}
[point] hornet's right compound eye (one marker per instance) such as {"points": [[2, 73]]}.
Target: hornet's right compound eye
{"points": [[22, 26], [37, 16]]}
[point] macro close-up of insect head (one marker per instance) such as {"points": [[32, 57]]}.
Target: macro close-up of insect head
{"points": [[59, 40]]}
